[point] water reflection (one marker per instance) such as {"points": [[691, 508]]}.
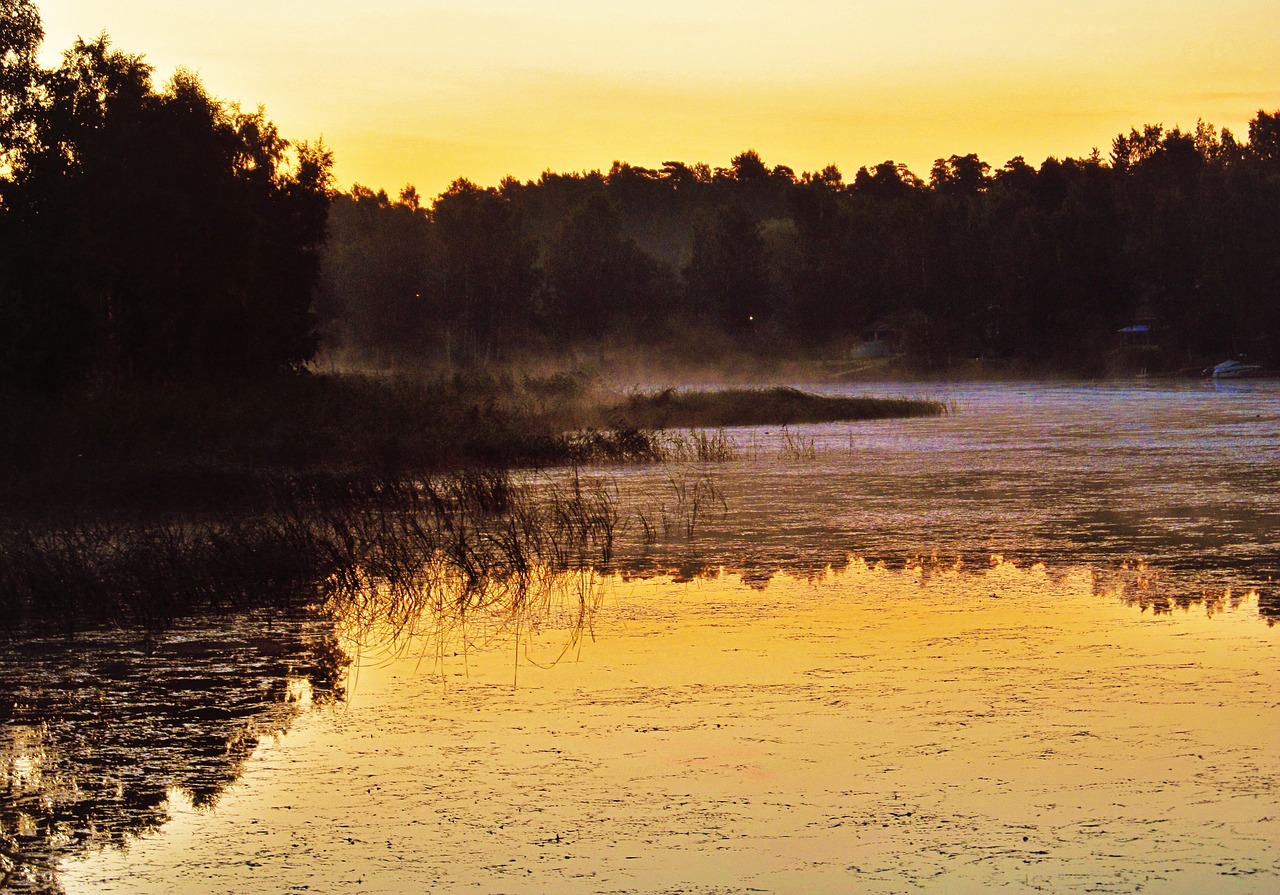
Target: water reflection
{"points": [[106, 736], [99, 736], [871, 729], [446, 620], [1133, 582], [1159, 592], [1182, 476]]}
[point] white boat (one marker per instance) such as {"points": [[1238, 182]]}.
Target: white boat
{"points": [[1233, 369]]}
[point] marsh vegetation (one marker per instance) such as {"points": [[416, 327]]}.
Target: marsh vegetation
{"points": [[224, 445], [465, 543], [779, 406]]}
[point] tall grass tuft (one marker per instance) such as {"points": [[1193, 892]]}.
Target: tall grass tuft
{"points": [[698, 446], [684, 507], [796, 447]]}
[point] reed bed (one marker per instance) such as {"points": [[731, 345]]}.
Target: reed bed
{"points": [[391, 549], [327, 489], [797, 447], [698, 446]]}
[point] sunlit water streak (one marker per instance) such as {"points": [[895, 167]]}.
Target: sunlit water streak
{"points": [[874, 729], [940, 723]]}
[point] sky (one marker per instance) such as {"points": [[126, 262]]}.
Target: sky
{"points": [[429, 91]]}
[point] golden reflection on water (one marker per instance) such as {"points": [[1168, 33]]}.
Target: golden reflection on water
{"points": [[869, 730]]}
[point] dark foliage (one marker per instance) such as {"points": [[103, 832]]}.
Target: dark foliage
{"points": [[156, 235], [599, 280], [148, 235], [1040, 267]]}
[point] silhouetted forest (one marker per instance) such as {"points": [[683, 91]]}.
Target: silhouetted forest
{"points": [[146, 234], [158, 234], [1160, 255]]}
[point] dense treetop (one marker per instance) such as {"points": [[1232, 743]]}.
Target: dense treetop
{"points": [[147, 233]]}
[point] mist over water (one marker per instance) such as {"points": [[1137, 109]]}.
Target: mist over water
{"points": [[912, 654], [1182, 475]]}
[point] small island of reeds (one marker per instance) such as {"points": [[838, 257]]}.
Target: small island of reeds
{"points": [[778, 406]]}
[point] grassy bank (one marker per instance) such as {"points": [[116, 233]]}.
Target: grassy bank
{"points": [[143, 506], [196, 446]]}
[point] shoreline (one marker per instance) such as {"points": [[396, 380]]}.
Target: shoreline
{"points": [[221, 446]]}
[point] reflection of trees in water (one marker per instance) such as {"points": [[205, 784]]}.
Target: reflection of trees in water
{"points": [[1148, 587], [518, 574], [470, 542], [1160, 591], [96, 734]]}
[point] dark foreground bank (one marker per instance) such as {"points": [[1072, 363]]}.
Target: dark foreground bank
{"points": [[195, 446], [141, 507]]}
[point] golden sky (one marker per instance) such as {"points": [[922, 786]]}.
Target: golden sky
{"points": [[428, 91]]}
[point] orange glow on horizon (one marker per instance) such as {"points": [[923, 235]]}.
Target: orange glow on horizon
{"points": [[428, 92]]}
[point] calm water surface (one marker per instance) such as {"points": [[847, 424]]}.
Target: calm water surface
{"points": [[1185, 475], [1027, 645]]}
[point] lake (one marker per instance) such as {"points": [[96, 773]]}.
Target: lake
{"points": [[1025, 646]]}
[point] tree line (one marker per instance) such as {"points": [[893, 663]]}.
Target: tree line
{"points": [[1171, 236], [146, 233], [155, 233]]}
